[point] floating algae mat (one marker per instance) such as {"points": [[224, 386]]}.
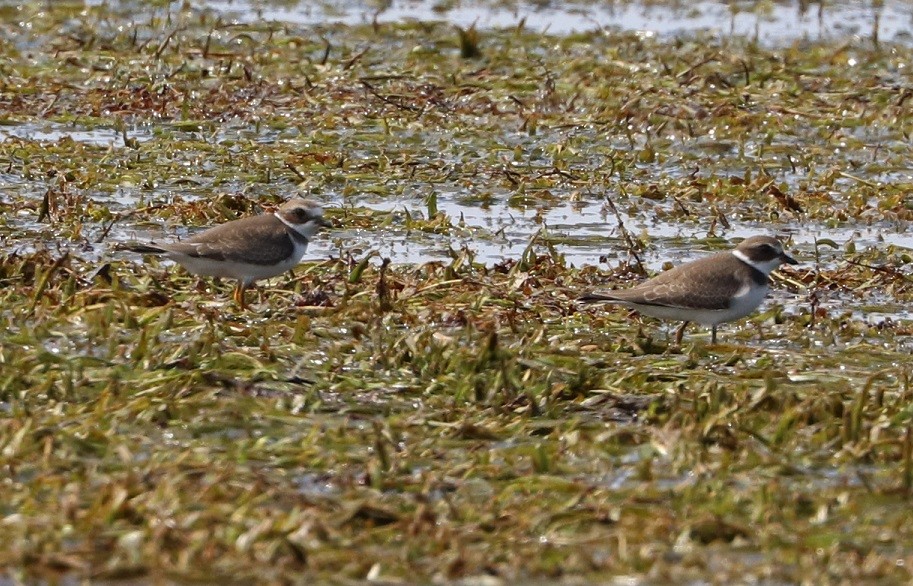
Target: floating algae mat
{"points": [[421, 400]]}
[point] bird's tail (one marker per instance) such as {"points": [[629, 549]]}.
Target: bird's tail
{"points": [[140, 248], [596, 298]]}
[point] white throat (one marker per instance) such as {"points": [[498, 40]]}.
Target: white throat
{"points": [[764, 266]]}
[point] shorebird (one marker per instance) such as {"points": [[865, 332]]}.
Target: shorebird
{"points": [[249, 249], [719, 288]]}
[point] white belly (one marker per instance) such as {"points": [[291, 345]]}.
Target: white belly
{"points": [[746, 301], [245, 272]]}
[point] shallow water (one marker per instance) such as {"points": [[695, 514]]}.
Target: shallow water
{"points": [[776, 23], [584, 230], [53, 132]]}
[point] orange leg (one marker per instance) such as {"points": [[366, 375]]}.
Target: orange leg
{"points": [[238, 295], [680, 333]]}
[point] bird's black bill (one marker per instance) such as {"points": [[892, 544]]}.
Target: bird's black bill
{"points": [[139, 247], [594, 298], [788, 259]]}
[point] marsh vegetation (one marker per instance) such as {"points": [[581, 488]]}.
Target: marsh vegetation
{"points": [[450, 415]]}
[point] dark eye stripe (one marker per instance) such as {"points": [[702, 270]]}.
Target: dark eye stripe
{"points": [[302, 214]]}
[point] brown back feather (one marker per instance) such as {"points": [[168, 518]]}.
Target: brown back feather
{"points": [[251, 239], [706, 286]]}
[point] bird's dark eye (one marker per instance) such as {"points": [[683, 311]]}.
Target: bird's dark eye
{"points": [[302, 215]]}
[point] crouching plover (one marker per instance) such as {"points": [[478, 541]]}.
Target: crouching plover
{"points": [[248, 249], [719, 288]]}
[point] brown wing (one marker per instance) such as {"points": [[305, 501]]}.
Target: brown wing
{"points": [[707, 284], [260, 239]]}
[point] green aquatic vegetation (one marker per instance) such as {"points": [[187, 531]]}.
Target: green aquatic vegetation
{"points": [[456, 418], [450, 388]]}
